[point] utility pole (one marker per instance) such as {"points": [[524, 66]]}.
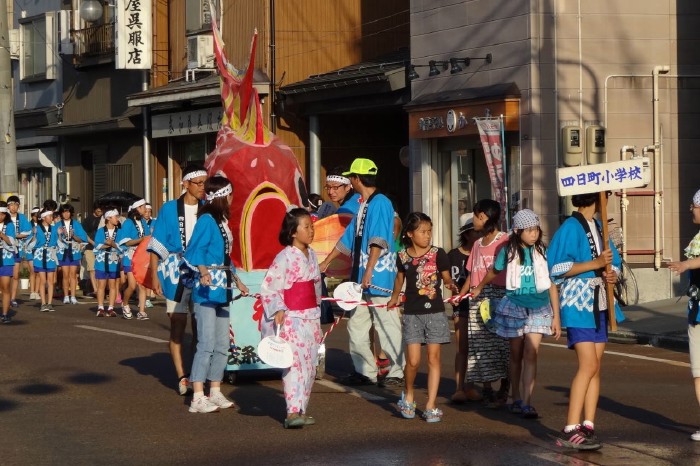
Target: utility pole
{"points": [[8, 145]]}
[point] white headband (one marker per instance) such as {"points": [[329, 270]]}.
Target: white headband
{"points": [[111, 213], [225, 191], [338, 178], [46, 213], [195, 174], [36, 210], [137, 204], [4, 210]]}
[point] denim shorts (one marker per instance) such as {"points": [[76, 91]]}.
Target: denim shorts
{"points": [[579, 335], [425, 329]]}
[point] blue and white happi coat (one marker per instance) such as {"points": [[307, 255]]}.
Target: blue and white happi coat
{"points": [[131, 229], [570, 245], [45, 246], [7, 250], [22, 227], [168, 243], [68, 248], [378, 231], [210, 246], [107, 258]]}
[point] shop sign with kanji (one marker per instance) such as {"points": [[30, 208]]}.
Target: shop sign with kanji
{"points": [[611, 176], [134, 34]]}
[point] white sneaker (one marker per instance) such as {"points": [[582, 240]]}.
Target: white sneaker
{"points": [[34, 295], [66, 300], [73, 300], [126, 312], [202, 405], [696, 436], [218, 399]]}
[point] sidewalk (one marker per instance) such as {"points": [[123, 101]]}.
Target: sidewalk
{"points": [[659, 323]]}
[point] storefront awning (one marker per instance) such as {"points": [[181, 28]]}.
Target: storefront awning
{"points": [[122, 122], [382, 81], [36, 117], [38, 157], [441, 99], [179, 91]]}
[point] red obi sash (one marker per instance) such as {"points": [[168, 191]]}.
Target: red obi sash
{"points": [[301, 296]]}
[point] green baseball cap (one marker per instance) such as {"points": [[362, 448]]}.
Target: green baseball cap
{"points": [[362, 167]]}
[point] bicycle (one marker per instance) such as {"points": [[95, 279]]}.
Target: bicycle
{"points": [[626, 290]]}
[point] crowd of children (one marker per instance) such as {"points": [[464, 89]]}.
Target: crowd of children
{"points": [[51, 245], [509, 287]]}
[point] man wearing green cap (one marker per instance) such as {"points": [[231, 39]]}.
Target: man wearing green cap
{"points": [[367, 240]]}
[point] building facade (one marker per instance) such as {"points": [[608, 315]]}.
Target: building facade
{"points": [[624, 68], [297, 39], [76, 138]]}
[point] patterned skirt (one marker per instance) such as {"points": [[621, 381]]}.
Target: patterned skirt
{"points": [[512, 321], [488, 353]]}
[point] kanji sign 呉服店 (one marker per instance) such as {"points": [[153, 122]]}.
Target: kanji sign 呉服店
{"points": [[134, 34]]}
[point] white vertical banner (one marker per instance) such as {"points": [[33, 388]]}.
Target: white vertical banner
{"points": [[490, 132], [134, 34]]}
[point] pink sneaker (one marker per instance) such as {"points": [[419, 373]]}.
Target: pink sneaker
{"points": [[119, 298]]}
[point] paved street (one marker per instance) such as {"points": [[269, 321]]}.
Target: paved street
{"points": [[75, 389]]}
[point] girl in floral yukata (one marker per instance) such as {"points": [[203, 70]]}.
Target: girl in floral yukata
{"points": [[291, 296]]}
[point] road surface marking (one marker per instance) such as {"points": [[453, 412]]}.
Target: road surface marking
{"points": [[126, 334], [633, 356], [350, 391]]}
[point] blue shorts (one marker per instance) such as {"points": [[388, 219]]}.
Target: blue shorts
{"points": [[102, 275], [43, 270], [6, 270], [126, 269], [67, 263], [580, 335]]}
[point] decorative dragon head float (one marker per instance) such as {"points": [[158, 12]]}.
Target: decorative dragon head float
{"points": [[265, 174]]}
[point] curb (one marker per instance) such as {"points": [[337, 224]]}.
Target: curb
{"points": [[666, 341], [674, 342]]}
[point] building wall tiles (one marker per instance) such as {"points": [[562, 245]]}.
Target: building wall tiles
{"points": [[624, 37]]}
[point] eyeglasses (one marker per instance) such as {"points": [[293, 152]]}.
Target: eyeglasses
{"points": [[334, 187], [198, 183]]}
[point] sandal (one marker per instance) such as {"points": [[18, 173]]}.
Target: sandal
{"points": [[294, 421], [408, 410], [432, 415], [516, 407], [529, 412]]}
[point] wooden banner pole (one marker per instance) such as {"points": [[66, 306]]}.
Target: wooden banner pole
{"points": [[608, 268]]}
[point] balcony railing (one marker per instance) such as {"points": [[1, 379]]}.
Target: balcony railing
{"points": [[94, 41]]}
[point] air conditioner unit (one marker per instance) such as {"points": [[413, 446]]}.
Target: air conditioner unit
{"points": [[14, 44], [200, 51]]}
